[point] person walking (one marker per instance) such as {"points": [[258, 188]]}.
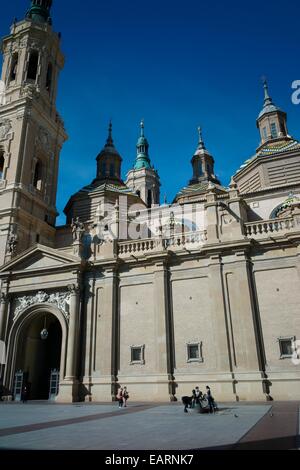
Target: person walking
{"points": [[194, 398], [125, 396], [25, 393], [187, 402], [210, 400], [198, 395], [120, 397]]}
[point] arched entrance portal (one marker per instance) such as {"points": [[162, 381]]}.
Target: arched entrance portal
{"points": [[38, 355]]}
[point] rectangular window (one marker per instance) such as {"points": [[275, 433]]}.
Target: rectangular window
{"points": [[33, 65], [2, 162], [14, 65], [274, 130], [265, 136], [194, 352], [286, 346], [137, 354]]}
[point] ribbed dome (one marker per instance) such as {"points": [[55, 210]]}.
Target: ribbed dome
{"points": [[271, 108]]}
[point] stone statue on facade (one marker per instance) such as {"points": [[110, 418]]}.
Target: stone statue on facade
{"points": [[77, 230], [5, 127], [12, 243]]}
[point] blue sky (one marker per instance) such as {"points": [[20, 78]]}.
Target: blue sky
{"points": [[177, 65]]}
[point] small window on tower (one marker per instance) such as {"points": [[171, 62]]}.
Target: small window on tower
{"points": [[33, 65], [2, 161], [112, 170], [265, 135], [103, 169], [14, 65], [274, 130], [138, 193], [49, 78], [37, 179], [282, 128]]}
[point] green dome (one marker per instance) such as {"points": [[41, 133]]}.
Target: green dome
{"points": [[40, 11], [142, 141], [142, 161]]}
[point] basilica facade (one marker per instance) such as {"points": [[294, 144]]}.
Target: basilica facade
{"points": [[157, 297]]}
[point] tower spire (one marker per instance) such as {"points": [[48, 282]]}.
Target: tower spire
{"points": [[109, 140], [143, 179], [142, 146], [271, 121], [202, 163], [268, 100], [201, 142]]}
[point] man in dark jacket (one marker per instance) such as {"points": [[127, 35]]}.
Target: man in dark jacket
{"points": [[210, 400]]}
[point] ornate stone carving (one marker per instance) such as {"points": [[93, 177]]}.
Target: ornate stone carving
{"points": [[23, 42], [61, 300], [226, 219], [12, 243], [5, 127], [30, 91], [43, 140], [3, 297], [77, 230], [73, 289]]}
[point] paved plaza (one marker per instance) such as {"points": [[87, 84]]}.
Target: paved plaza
{"points": [[148, 426]]}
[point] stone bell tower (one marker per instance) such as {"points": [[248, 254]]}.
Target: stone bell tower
{"points": [[31, 132], [143, 178]]}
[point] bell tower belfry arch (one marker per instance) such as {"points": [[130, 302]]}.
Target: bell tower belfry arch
{"points": [[31, 132]]}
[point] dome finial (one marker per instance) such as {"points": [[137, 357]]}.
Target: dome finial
{"points": [[267, 98], [201, 142], [109, 140], [142, 127]]}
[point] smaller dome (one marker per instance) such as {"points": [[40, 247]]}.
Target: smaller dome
{"points": [[142, 163], [270, 108], [142, 141]]}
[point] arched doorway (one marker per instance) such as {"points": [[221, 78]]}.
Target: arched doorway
{"points": [[37, 356]]}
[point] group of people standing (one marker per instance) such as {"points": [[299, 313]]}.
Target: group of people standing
{"points": [[198, 398], [122, 397]]}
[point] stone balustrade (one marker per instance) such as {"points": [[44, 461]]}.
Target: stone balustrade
{"points": [[177, 241], [191, 238], [270, 227]]}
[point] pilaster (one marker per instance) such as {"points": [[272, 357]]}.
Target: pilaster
{"points": [[68, 389], [163, 330]]}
